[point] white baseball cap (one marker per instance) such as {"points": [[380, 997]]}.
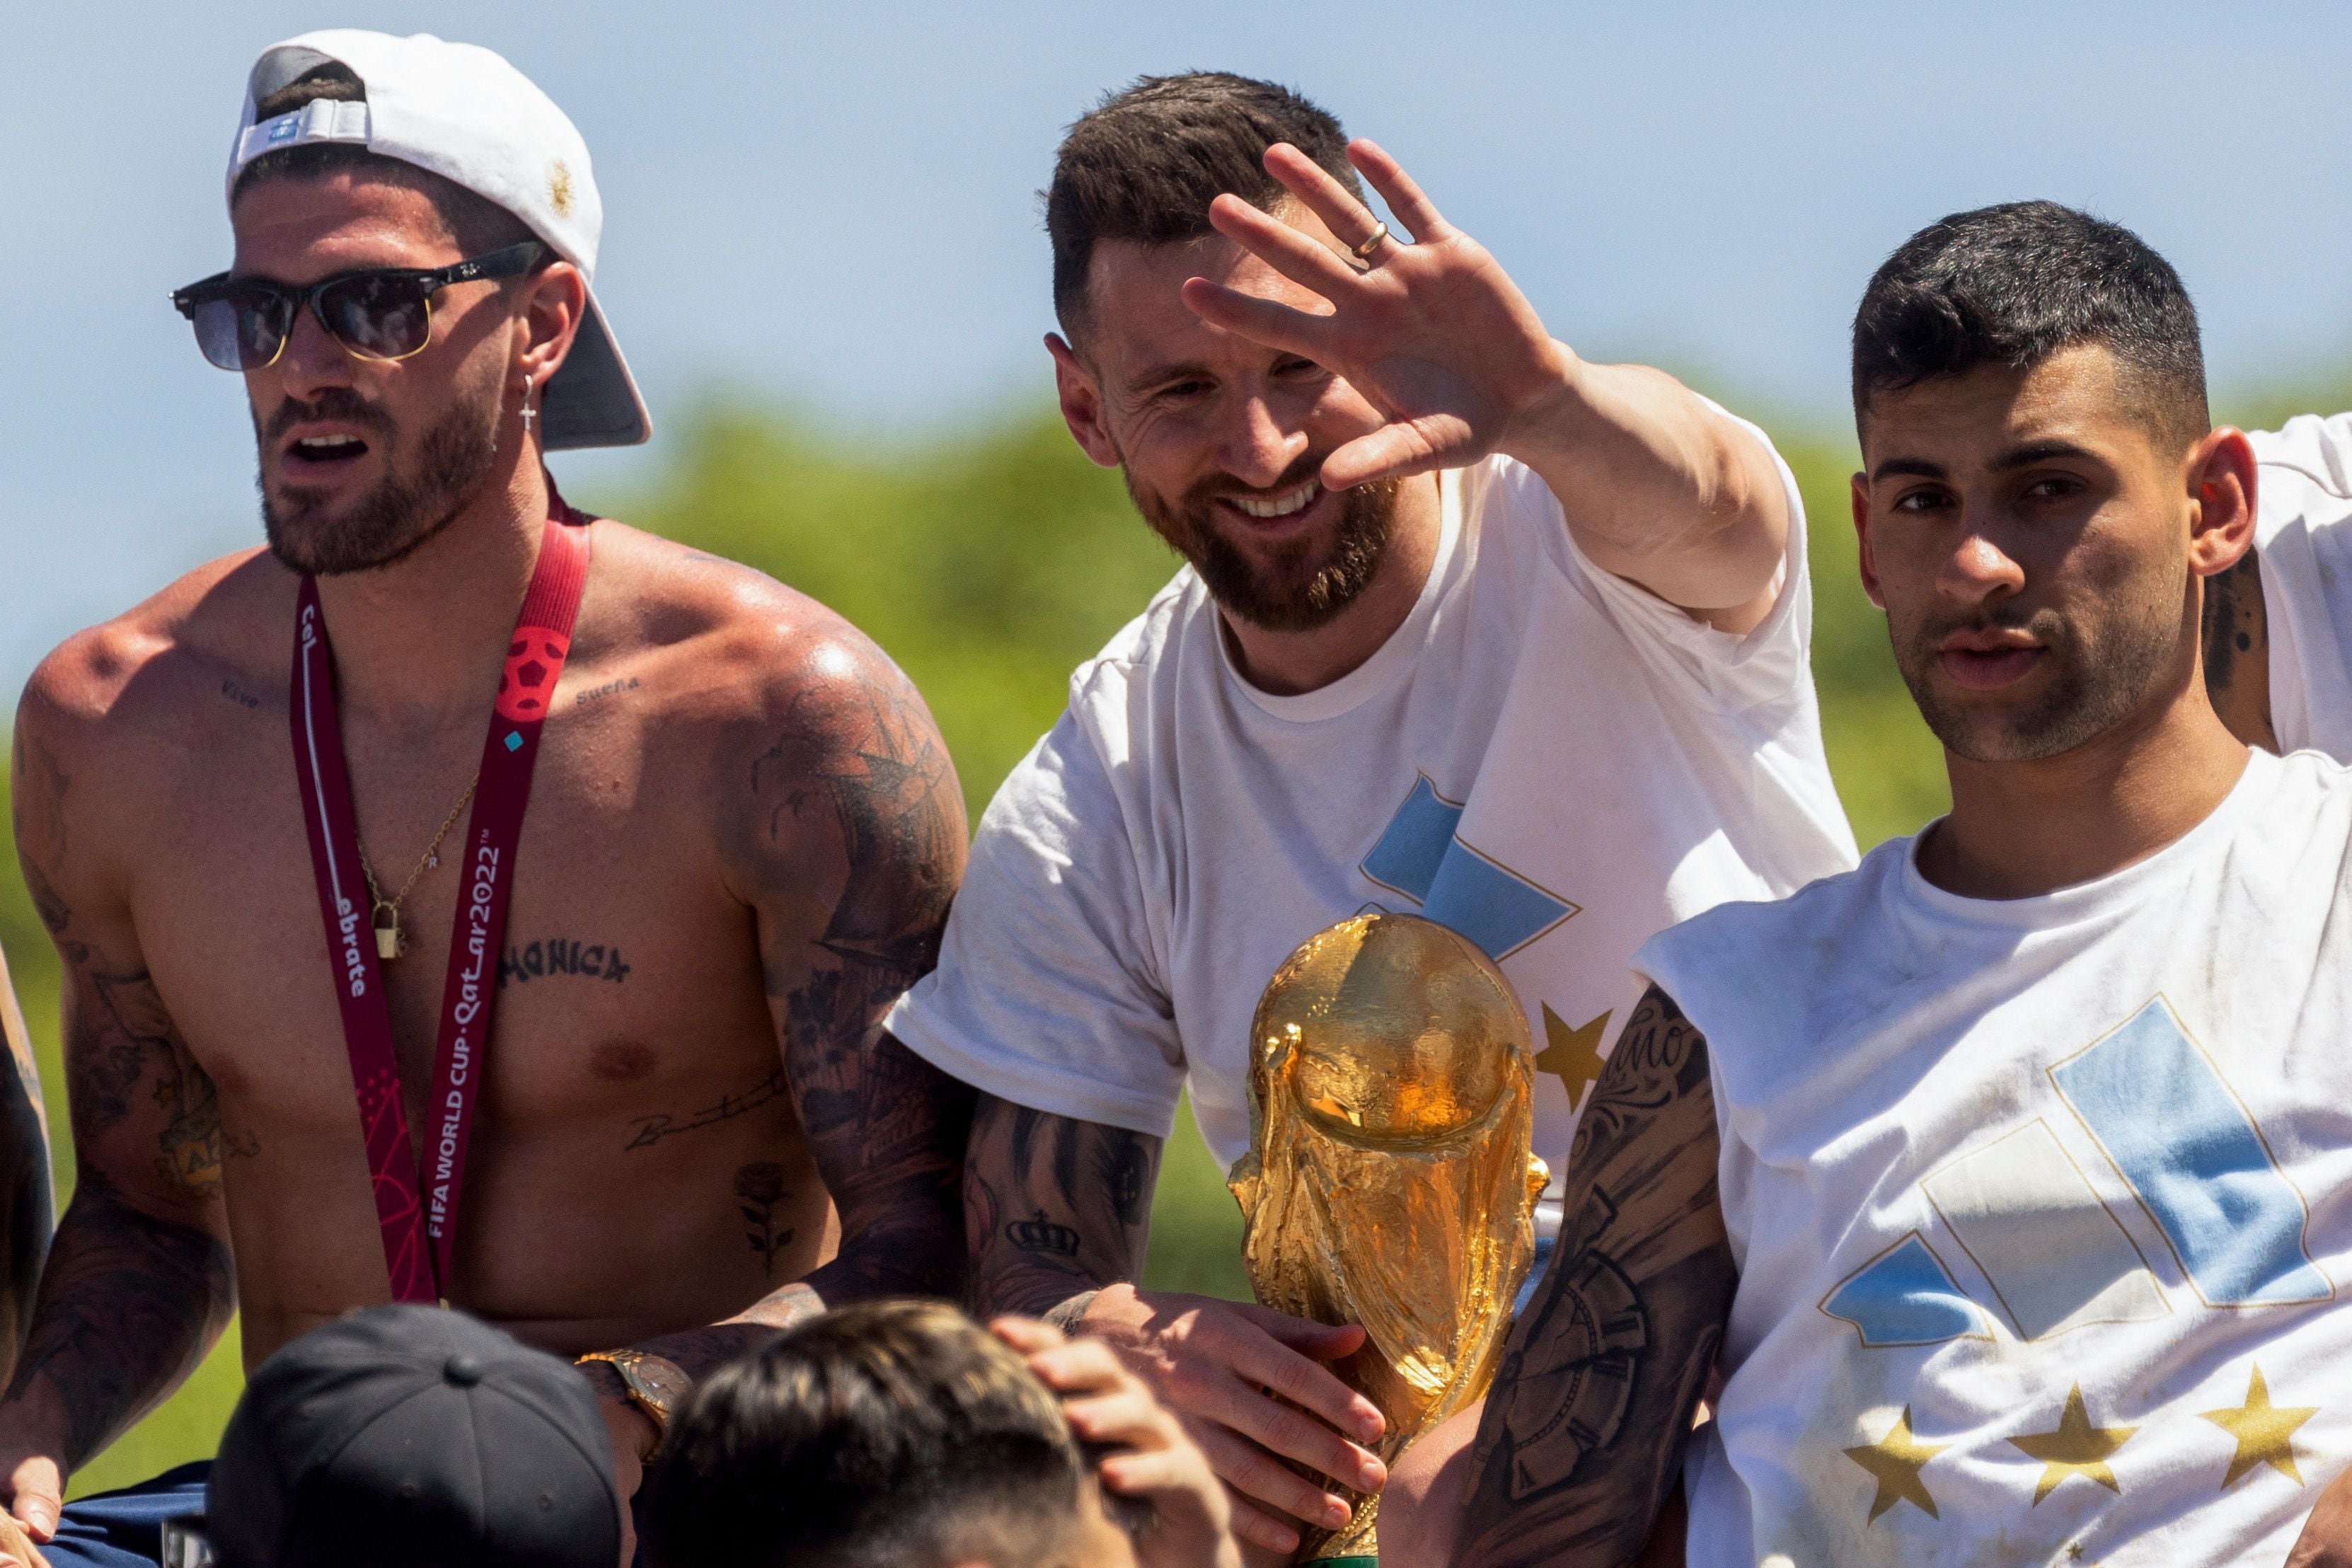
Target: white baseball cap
{"points": [[464, 113]]}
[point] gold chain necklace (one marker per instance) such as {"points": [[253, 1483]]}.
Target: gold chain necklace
{"points": [[391, 940]]}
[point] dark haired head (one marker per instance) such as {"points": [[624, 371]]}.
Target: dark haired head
{"points": [[2015, 284], [476, 225], [887, 1435], [1145, 161]]}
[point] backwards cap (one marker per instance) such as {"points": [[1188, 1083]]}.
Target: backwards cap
{"points": [[462, 112]]}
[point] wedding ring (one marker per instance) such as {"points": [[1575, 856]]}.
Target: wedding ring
{"points": [[1364, 251]]}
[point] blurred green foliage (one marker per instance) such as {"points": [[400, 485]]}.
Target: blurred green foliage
{"points": [[989, 566]]}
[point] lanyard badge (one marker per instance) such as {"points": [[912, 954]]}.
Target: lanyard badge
{"points": [[418, 1211]]}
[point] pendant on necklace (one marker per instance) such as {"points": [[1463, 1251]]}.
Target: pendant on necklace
{"points": [[389, 941]]}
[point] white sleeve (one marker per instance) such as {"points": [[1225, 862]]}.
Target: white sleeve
{"points": [[1046, 993], [2309, 455], [2302, 529], [1770, 665]]}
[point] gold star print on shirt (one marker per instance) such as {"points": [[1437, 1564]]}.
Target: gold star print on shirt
{"points": [[1895, 1462], [2076, 1448], [2264, 1432], [1573, 1056]]}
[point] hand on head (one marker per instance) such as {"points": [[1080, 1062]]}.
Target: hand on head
{"points": [[1151, 1460], [1249, 1385]]}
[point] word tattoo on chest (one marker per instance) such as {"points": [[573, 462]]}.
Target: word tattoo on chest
{"points": [[563, 955], [652, 1129], [240, 695], [758, 1189], [609, 689]]}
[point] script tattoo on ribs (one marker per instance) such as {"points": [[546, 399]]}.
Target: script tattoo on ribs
{"points": [[1054, 1206], [1582, 1440], [652, 1129]]}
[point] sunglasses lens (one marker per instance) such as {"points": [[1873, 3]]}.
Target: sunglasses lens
{"points": [[240, 332], [377, 316]]}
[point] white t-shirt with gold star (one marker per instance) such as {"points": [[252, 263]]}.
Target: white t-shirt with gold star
{"points": [[2042, 1207], [1545, 757]]}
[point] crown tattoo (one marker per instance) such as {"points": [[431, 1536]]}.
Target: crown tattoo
{"points": [[1042, 1235]]}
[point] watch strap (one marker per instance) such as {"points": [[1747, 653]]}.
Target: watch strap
{"points": [[655, 1386]]}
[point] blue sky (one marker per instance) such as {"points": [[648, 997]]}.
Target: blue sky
{"points": [[834, 207]]}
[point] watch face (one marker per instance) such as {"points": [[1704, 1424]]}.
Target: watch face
{"points": [[661, 1381]]}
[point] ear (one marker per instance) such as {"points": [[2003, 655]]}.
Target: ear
{"points": [[1860, 486], [554, 299], [1082, 403], [2221, 477]]}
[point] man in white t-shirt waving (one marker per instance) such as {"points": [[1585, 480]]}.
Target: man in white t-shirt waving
{"points": [[1470, 628], [2014, 1176]]}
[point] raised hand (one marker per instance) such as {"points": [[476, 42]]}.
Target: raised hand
{"points": [[1434, 334]]}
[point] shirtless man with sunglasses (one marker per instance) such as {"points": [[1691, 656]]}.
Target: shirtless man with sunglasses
{"points": [[742, 833]]}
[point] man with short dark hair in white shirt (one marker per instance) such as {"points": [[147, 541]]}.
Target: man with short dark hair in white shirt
{"points": [[1472, 629], [2008, 1180]]}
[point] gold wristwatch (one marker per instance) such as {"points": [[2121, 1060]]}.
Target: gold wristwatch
{"points": [[656, 1386]]}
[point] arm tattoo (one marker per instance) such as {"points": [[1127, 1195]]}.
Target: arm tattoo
{"points": [[118, 1043], [128, 1306], [2236, 647], [27, 1208], [138, 1281], [1582, 1436], [887, 1129], [1054, 1207]]}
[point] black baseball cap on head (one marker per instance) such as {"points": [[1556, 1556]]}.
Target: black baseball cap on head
{"points": [[412, 1437]]}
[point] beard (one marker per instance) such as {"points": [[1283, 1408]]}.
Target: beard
{"points": [[1295, 586], [455, 463], [2098, 678]]}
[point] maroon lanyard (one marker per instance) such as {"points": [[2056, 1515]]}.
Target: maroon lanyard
{"points": [[409, 1211]]}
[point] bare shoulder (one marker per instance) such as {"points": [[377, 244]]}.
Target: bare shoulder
{"points": [[122, 688], [744, 641], [823, 757], [216, 616]]}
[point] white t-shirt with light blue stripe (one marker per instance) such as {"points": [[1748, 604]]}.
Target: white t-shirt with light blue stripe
{"points": [[2042, 1207]]}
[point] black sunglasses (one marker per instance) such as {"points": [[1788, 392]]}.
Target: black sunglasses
{"points": [[380, 312]]}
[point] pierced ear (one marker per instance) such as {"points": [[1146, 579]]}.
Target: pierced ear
{"points": [[556, 303], [1080, 395]]}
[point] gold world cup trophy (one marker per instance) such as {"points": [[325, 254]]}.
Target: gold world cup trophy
{"points": [[1390, 1180]]}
